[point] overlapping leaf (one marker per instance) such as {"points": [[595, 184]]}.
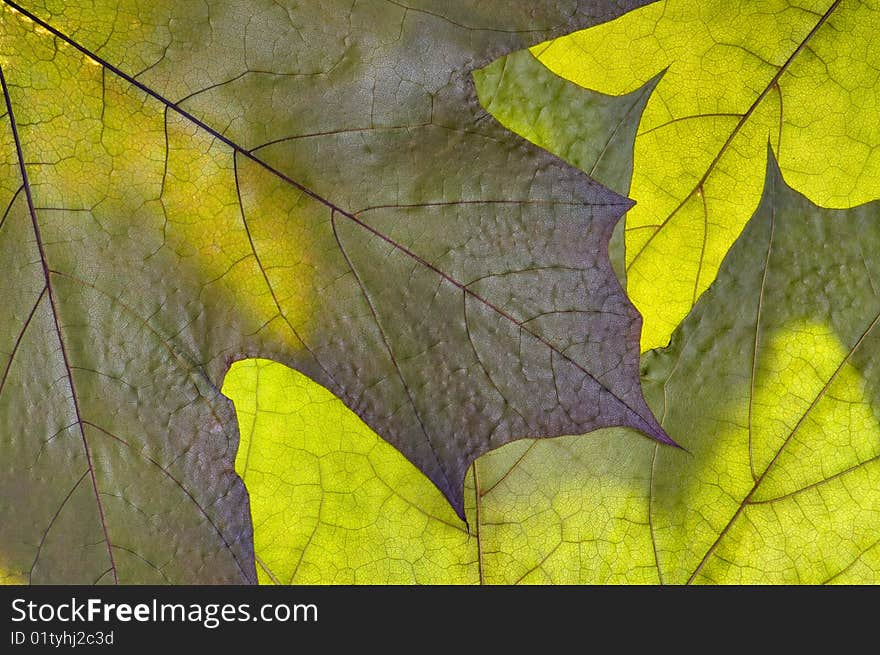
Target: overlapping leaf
{"points": [[186, 184], [592, 131], [772, 382], [801, 75]]}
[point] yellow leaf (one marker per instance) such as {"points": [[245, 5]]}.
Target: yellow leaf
{"points": [[801, 76], [770, 383]]}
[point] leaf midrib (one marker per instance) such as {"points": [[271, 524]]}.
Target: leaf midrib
{"points": [[48, 291], [747, 499], [773, 83], [660, 436]]}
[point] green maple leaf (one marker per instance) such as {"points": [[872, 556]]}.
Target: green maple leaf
{"points": [[771, 381], [188, 184], [803, 76]]}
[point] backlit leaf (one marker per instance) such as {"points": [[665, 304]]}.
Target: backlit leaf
{"points": [[189, 184], [803, 76], [771, 382]]}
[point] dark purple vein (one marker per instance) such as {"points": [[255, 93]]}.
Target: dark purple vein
{"points": [[19, 339], [9, 206], [48, 282], [185, 360], [179, 484], [647, 425], [52, 522], [456, 203], [173, 106], [385, 340], [137, 555], [485, 369], [446, 19], [265, 274]]}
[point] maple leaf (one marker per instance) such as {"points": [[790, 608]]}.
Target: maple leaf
{"points": [[592, 131], [781, 484], [187, 184], [734, 75], [772, 381]]}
